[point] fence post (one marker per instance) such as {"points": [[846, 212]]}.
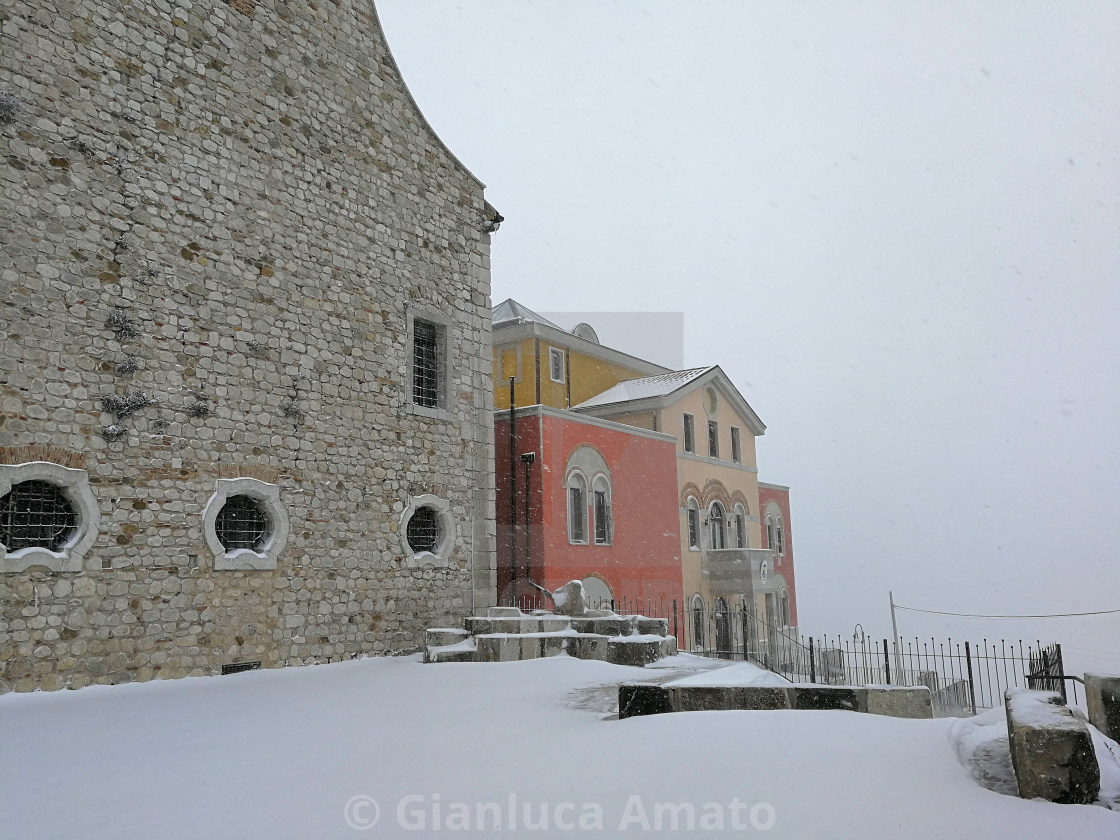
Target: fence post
{"points": [[812, 663], [1061, 671], [675, 636], [971, 686], [887, 661]]}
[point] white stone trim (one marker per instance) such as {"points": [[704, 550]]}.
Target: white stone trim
{"points": [[246, 558], [74, 485], [441, 557]]}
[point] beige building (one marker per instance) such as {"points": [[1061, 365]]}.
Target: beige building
{"points": [[724, 563]]}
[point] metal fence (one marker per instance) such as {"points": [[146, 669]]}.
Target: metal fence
{"points": [[964, 677]]}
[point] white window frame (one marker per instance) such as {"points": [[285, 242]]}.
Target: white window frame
{"points": [[688, 433], [720, 543], [74, 484], [243, 559], [692, 523], [444, 355], [601, 484], [440, 556], [554, 354], [742, 535], [573, 477]]}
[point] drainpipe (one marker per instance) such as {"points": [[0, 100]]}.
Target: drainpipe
{"points": [[527, 459], [513, 487]]}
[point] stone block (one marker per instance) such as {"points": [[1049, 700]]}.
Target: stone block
{"points": [[1102, 696], [477, 625], [669, 646], [636, 699], [435, 654], [530, 647], [622, 651], [900, 702], [569, 599], [440, 636], [826, 697], [589, 646], [503, 612], [498, 648], [653, 626], [1051, 750], [701, 698], [553, 645]]}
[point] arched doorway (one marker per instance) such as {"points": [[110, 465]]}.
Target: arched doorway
{"points": [[723, 628]]}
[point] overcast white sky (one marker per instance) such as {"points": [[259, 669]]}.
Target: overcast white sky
{"points": [[895, 225]]}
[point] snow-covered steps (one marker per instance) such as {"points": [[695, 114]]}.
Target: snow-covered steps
{"points": [[506, 634]]}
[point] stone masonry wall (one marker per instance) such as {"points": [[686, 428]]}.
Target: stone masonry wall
{"points": [[230, 208]]}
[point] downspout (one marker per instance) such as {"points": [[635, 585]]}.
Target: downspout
{"points": [[513, 486]]}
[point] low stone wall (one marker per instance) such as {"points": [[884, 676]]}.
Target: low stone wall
{"points": [[1051, 750], [644, 699], [505, 634], [1102, 696]]}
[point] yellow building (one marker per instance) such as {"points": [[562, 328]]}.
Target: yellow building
{"points": [[552, 366]]}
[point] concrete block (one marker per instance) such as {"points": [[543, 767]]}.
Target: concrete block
{"points": [[826, 697], [700, 698], [1051, 750], [530, 647], [477, 625], [439, 636], [624, 652], [553, 645], [653, 626], [900, 702], [497, 648], [503, 612], [643, 699], [554, 623], [1102, 696], [435, 654], [589, 646]]}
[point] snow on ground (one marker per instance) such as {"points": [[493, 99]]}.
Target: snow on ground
{"points": [[291, 753]]}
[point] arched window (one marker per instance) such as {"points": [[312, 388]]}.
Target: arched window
{"points": [[244, 524], [577, 509], [779, 528], [771, 539], [601, 508], [723, 627], [48, 517], [740, 527], [693, 524], [718, 526], [698, 623], [784, 608]]}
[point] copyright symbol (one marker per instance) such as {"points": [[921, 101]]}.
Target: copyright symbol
{"points": [[361, 812]]}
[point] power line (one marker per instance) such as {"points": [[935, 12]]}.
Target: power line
{"points": [[975, 615]]}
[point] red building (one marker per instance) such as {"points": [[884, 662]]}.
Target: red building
{"points": [[602, 507], [773, 504]]}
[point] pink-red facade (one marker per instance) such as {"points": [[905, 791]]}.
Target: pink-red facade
{"points": [[769, 497], [640, 562]]}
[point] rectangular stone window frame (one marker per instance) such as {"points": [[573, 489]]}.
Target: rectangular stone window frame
{"points": [[736, 446], [689, 433], [556, 364], [445, 353], [713, 439]]}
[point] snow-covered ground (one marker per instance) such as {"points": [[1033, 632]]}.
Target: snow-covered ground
{"points": [[307, 752]]}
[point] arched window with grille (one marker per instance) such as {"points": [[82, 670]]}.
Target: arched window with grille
{"points": [[577, 509], [717, 526], [601, 510], [48, 517], [693, 509]]}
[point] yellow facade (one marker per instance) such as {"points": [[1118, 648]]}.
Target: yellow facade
{"points": [[529, 361]]}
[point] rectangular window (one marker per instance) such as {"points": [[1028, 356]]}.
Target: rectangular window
{"points": [[555, 364], [428, 339], [736, 446], [602, 519], [740, 531], [577, 516], [689, 434], [693, 528], [713, 439]]}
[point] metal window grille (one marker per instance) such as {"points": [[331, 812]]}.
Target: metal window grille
{"points": [[238, 667], [36, 514], [713, 439], [427, 363], [576, 514], [423, 530], [689, 434], [242, 523]]}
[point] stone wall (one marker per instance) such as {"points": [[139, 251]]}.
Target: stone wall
{"points": [[216, 219]]}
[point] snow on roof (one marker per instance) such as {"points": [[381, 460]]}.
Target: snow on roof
{"points": [[645, 387], [510, 311]]}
